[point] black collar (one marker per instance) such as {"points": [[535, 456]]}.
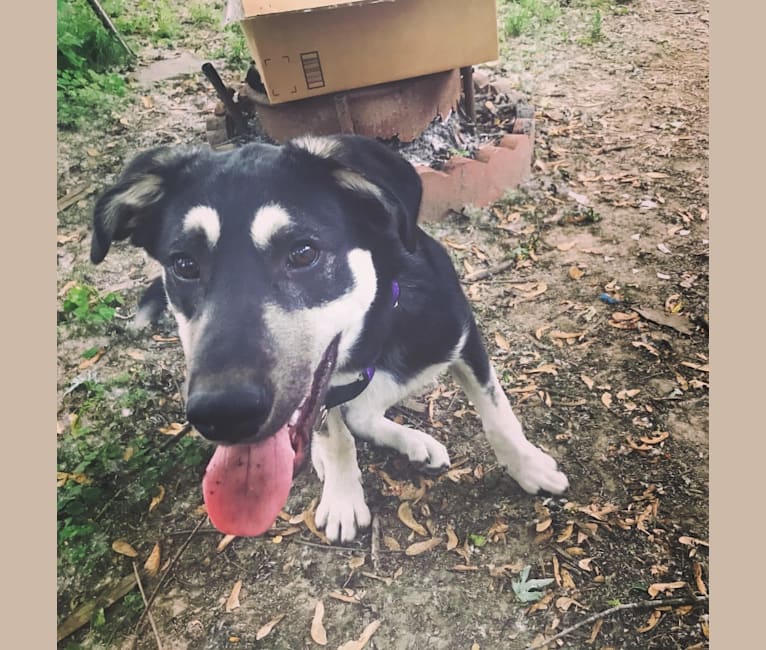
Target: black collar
{"points": [[340, 394]]}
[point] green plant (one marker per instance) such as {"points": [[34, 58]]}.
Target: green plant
{"points": [[83, 304], [202, 14], [234, 49], [86, 84], [523, 15], [595, 27]]}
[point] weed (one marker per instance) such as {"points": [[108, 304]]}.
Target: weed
{"points": [[84, 305], [234, 49], [522, 16], [202, 15], [595, 33], [86, 84]]}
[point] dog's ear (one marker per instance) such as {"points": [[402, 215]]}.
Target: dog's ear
{"points": [[131, 207], [371, 169]]}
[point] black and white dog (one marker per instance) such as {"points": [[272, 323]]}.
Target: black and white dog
{"points": [[303, 287]]}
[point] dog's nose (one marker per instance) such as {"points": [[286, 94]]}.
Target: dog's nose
{"points": [[228, 416]]}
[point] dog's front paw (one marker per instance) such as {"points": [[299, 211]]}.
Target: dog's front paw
{"points": [[426, 451], [342, 510], [534, 470]]}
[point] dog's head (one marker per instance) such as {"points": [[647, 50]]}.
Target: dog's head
{"points": [[275, 262]]}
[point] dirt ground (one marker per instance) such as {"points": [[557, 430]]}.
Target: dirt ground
{"points": [[599, 333]]}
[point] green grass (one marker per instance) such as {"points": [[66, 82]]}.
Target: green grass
{"points": [[525, 16], [110, 464], [234, 49], [88, 59]]}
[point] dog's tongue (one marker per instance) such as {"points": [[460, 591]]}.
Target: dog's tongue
{"points": [[245, 486]]}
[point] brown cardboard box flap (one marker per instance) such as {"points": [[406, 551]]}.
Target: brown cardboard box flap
{"points": [[252, 8]]}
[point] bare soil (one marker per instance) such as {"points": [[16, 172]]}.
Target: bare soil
{"points": [[614, 219]]}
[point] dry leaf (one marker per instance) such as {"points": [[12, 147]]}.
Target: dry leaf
{"points": [[318, 633], [646, 346], [349, 597], [566, 335], [264, 630], [654, 618], [566, 246], [232, 602], [123, 548], [310, 521], [548, 368], [675, 321], [356, 562], [407, 518], [606, 399], [363, 639], [565, 602], [156, 500], [696, 366], [87, 363], [575, 272], [391, 544], [655, 437], [543, 525], [585, 563], [697, 568], [152, 564], [228, 539], [595, 630], [566, 533], [659, 587], [587, 381], [501, 342], [452, 540], [421, 547]]}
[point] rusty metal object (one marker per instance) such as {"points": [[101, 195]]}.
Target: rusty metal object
{"points": [[469, 103], [226, 95], [400, 109]]}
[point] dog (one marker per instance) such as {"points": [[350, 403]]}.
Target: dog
{"points": [[304, 290]]}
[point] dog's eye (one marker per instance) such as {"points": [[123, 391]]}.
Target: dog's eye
{"points": [[302, 255], [185, 267]]}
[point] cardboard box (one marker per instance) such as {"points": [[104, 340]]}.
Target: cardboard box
{"points": [[305, 48]]}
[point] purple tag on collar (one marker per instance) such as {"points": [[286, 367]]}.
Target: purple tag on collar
{"points": [[395, 293]]}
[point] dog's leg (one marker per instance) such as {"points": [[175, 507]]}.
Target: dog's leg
{"points": [[342, 509], [365, 416], [532, 468]]}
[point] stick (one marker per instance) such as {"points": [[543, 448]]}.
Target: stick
{"points": [[83, 614], [80, 192], [143, 596], [375, 544], [642, 604], [485, 273], [109, 26], [163, 578]]}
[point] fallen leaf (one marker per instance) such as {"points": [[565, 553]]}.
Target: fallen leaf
{"points": [[391, 544], [465, 567], [152, 564], [232, 602], [692, 541], [566, 335], [696, 366], [655, 437], [264, 630], [659, 587], [123, 548], [501, 342], [565, 602], [228, 539], [646, 346], [663, 249], [697, 568], [566, 246], [595, 630], [587, 381], [606, 399], [452, 540], [675, 321], [157, 499], [363, 639], [147, 101], [575, 272], [310, 521], [547, 368], [421, 547], [318, 633], [566, 533], [654, 618], [585, 563], [406, 517], [87, 363], [350, 597], [356, 562]]}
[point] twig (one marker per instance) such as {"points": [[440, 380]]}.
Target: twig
{"points": [[168, 571], [642, 604], [109, 26], [176, 436], [485, 273], [143, 596], [375, 544], [80, 192]]}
